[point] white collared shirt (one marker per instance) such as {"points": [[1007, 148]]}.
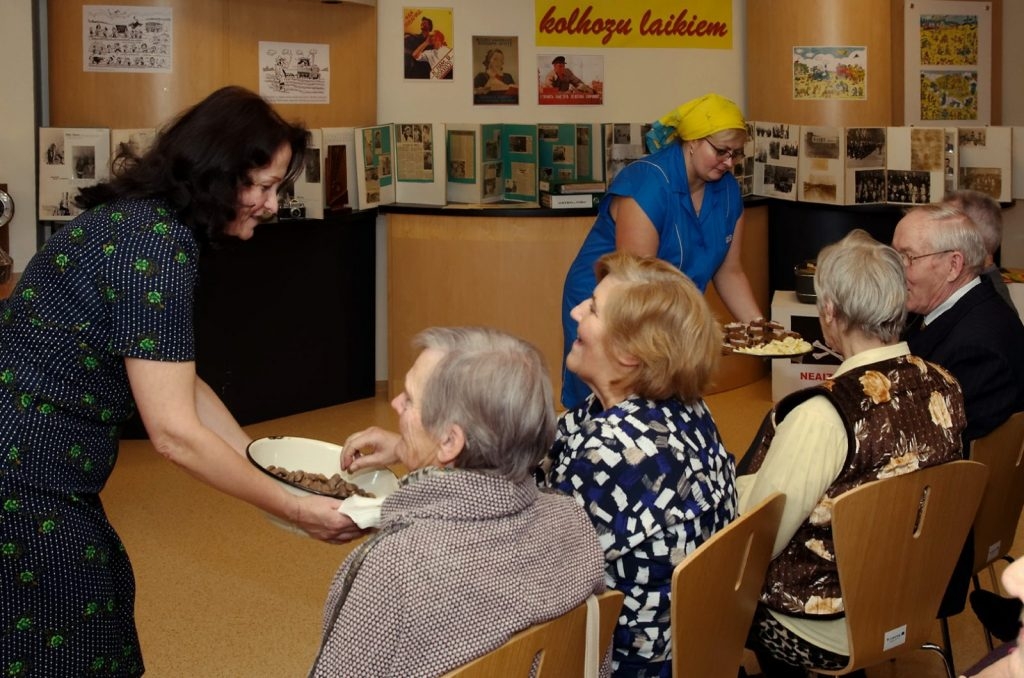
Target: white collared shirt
{"points": [[950, 300]]}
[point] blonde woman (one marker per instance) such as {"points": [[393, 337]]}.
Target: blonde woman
{"points": [[642, 454]]}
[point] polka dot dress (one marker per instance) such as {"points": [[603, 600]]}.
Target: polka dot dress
{"points": [[116, 282]]}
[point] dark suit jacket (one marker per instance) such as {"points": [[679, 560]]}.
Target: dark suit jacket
{"points": [[981, 342]]}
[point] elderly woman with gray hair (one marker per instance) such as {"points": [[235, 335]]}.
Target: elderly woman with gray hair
{"points": [[884, 412], [469, 550]]}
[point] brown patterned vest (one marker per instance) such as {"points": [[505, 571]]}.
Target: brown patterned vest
{"points": [[900, 415]]}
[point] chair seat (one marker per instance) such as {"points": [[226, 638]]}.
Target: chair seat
{"points": [[560, 644]]}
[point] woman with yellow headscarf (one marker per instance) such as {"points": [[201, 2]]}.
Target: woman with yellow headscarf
{"points": [[681, 204]]}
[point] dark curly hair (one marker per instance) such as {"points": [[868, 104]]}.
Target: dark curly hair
{"points": [[201, 159]]}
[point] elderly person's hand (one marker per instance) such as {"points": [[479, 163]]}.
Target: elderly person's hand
{"points": [[372, 448], [320, 519]]}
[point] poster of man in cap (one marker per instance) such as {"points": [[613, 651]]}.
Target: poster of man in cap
{"points": [[428, 39], [570, 79]]}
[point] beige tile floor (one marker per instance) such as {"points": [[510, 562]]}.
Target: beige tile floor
{"points": [[223, 592]]}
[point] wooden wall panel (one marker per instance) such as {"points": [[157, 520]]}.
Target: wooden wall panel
{"points": [[508, 272], [458, 270], [215, 44], [774, 27]]}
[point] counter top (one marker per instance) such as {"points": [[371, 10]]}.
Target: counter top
{"points": [[509, 208], [492, 209]]}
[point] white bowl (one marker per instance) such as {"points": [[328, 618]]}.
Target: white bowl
{"points": [[313, 456]]}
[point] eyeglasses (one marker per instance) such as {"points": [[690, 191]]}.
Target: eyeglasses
{"points": [[908, 260], [724, 153]]}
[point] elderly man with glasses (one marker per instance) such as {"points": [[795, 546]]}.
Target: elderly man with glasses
{"points": [[964, 326]]}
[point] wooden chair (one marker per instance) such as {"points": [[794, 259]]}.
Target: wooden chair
{"points": [[995, 524], [560, 642], [715, 591], [896, 542]]}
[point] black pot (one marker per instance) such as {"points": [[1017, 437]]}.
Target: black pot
{"points": [[803, 277]]}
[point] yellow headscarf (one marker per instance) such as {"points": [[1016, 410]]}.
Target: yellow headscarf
{"points": [[696, 119]]}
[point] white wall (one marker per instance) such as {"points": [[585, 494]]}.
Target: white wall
{"points": [[17, 133], [640, 85]]}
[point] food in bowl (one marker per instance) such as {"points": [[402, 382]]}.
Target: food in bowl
{"points": [[334, 486], [313, 457]]}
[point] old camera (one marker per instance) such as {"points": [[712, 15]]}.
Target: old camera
{"points": [[292, 208]]}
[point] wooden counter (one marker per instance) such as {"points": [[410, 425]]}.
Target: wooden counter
{"points": [[461, 267]]}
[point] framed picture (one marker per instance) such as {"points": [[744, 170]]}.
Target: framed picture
{"points": [[948, 62]]}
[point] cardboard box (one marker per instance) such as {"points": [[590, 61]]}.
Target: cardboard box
{"points": [[812, 369]]}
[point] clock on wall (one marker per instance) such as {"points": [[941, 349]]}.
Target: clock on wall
{"points": [[6, 207], [6, 214]]}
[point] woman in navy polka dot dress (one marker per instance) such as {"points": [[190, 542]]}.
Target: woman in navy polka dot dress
{"points": [[100, 324], [642, 454]]}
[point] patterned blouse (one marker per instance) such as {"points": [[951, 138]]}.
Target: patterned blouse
{"points": [[656, 481]]}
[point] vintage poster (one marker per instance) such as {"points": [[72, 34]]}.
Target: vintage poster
{"points": [[915, 165], [570, 79], [414, 154], [820, 164], [69, 159], [776, 153], [623, 144], [462, 156], [295, 72], [830, 73], [703, 24], [127, 39], [429, 39], [985, 161], [865, 165], [497, 80], [948, 62], [374, 175], [341, 190], [126, 144]]}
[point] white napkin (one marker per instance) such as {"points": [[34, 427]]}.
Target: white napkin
{"points": [[364, 511]]}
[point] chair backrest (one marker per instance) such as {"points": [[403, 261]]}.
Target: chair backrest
{"points": [[896, 542], [715, 591], [995, 526], [560, 642]]}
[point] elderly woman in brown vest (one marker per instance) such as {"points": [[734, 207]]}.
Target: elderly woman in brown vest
{"points": [[884, 412]]}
